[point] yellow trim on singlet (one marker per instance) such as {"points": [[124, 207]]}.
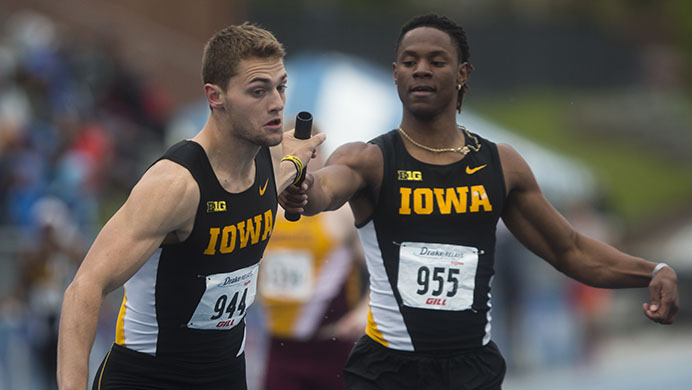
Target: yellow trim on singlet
{"points": [[354, 289], [120, 324], [103, 368], [373, 332]]}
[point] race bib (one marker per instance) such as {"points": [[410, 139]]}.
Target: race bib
{"points": [[287, 275], [437, 276], [226, 299]]}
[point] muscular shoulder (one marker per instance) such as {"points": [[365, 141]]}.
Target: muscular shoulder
{"points": [[166, 194], [516, 170]]}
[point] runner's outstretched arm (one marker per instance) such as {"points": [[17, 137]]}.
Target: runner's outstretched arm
{"points": [[531, 218]]}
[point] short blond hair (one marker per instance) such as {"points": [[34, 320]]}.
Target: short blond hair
{"points": [[228, 47]]}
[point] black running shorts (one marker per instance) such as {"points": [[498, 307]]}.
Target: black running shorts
{"points": [[123, 368], [371, 366]]}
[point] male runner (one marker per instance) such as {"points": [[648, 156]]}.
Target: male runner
{"points": [[187, 242], [427, 198]]}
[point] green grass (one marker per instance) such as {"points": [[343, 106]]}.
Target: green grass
{"points": [[641, 183]]}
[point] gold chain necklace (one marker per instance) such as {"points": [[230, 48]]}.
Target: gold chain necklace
{"points": [[461, 149]]}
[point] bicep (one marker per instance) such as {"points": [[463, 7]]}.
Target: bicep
{"points": [[529, 215], [118, 252], [159, 204], [537, 225]]}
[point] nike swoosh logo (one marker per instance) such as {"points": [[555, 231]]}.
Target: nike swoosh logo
{"points": [[263, 188], [471, 171]]}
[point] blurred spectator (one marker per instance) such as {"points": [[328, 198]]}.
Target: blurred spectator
{"points": [[76, 125], [311, 291], [48, 261], [68, 110]]}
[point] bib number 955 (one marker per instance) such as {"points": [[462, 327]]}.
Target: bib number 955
{"points": [[437, 276]]}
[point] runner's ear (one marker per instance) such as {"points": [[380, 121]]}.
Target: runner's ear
{"points": [[215, 96]]}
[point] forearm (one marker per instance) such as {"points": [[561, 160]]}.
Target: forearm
{"points": [[318, 199], [548, 234], [332, 187], [600, 265], [78, 324]]}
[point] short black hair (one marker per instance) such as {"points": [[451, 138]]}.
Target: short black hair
{"points": [[455, 31], [442, 23]]}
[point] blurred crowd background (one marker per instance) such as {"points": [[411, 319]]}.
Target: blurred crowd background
{"points": [[596, 95]]}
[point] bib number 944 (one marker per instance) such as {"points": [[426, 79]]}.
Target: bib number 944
{"points": [[226, 299]]}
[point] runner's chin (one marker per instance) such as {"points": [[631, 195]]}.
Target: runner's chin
{"points": [[273, 136]]}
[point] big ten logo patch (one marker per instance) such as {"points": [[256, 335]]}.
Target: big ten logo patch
{"points": [[215, 206], [409, 175]]}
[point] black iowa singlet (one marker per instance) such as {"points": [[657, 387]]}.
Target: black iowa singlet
{"points": [[186, 305], [430, 247]]}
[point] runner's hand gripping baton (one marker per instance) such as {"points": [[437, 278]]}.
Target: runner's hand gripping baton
{"points": [[303, 129]]}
